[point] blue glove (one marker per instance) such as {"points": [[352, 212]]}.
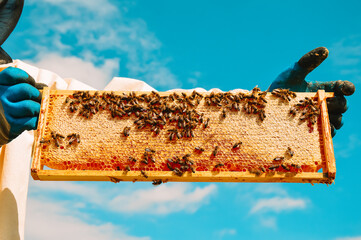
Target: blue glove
{"points": [[19, 103], [294, 79]]}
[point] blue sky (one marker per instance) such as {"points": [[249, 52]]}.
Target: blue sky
{"points": [[187, 44]]}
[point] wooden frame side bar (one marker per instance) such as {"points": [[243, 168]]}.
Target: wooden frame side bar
{"points": [[36, 161], [326, 134]]}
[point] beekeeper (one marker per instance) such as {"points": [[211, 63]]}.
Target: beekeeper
{"points": [[20, 105]]}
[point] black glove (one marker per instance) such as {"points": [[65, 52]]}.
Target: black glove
{"points": [[294, 79]]}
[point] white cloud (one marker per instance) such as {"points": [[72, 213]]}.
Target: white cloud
{"points": [[87, 191], [347, 54], [193, 80], [80, 69], [164, 199], [349, 238], [271, 189], [346, 149], [226, 232], [73, 7], [160, 76], [268, 222], [77, 28], [56, 221], [278, 204], [266, 202]]}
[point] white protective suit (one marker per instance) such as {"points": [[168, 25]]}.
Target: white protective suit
{"points": [[15, 157]]}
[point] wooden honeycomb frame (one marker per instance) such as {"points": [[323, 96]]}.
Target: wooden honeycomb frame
{"points": [[324, 141]]}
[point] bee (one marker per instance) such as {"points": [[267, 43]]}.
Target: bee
{"points": [[274, 166], [127, 168], [247, 109], [73, 108], [192, 169], [256, 89], [313, 121], [224, 115], [150, 150], [254, 109], [313, 108], [71, 140], [152, 159], [138, 121], [67, 99], [169, 167], [53, 134], [237, 144], [262, 115], [292, 94], [293, 111], [215, 151], [206, 123], [114, 180], [141, 125], [157, 182], [145, 161], [57, 142], [192, 134], [132, 159], [44, 141], [261, 105], [303, 118], [184, 168], [178, 172], [290, 151], [235, 106], [208, 101], [59, 135], [255, 171], [219, 165], [157, 130], [262, 168], [126, 131], [154, 101], [296, 166], [285, 167], [171, 136], [261, 97], [200, 149], [278, 159], [144, 173]]}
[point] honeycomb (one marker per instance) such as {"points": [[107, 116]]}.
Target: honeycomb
{"points": [[256, 132]]}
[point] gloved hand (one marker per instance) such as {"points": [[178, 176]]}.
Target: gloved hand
{"points": [[19, 103], [294, 79]]}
